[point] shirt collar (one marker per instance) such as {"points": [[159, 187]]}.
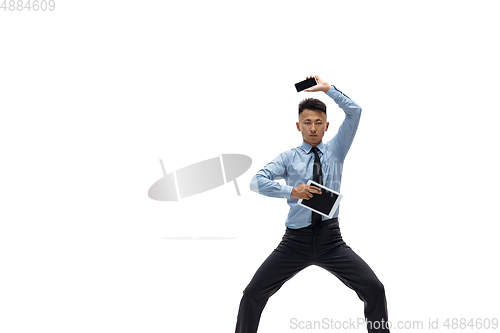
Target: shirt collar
{"points": [[307, 147]]}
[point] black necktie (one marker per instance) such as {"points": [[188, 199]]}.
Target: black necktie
{"points": [[318, 178]]}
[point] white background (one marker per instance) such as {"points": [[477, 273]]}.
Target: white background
{"points": [[93, 94]]}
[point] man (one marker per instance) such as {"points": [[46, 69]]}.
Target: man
{"points": [[310, 238]]}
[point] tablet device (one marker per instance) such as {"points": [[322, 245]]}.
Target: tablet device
{"points": [[325, 203]]}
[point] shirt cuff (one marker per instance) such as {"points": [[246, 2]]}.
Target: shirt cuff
{"points": [[286, 191], [333, 91]]}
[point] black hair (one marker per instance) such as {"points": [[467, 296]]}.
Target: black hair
{"points": [[312, 104]]}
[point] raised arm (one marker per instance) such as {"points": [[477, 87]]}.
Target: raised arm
{"points": [[343, 139]]}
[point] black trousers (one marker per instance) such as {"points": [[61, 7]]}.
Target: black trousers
{"points": [[322, 245]]}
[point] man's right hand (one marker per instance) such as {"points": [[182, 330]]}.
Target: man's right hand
{"points": [[322, 85], [304, 191]]}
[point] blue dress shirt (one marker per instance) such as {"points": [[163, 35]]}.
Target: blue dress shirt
{"points": [[295, 166]]}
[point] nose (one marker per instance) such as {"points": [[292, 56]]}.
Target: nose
{"points": [[313, 129]]}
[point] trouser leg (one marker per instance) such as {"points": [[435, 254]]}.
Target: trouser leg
{"points": [[281, 265], [354, 272]]}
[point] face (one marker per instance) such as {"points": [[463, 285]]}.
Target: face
{"points": [[313, 126]]}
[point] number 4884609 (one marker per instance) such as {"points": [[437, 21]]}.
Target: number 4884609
{"points": [[28, 5]]}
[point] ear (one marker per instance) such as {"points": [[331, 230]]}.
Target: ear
{"points": [[298, 126], [326, 127]]}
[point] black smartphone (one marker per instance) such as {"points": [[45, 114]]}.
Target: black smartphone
{"points": [[311, 82]]}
